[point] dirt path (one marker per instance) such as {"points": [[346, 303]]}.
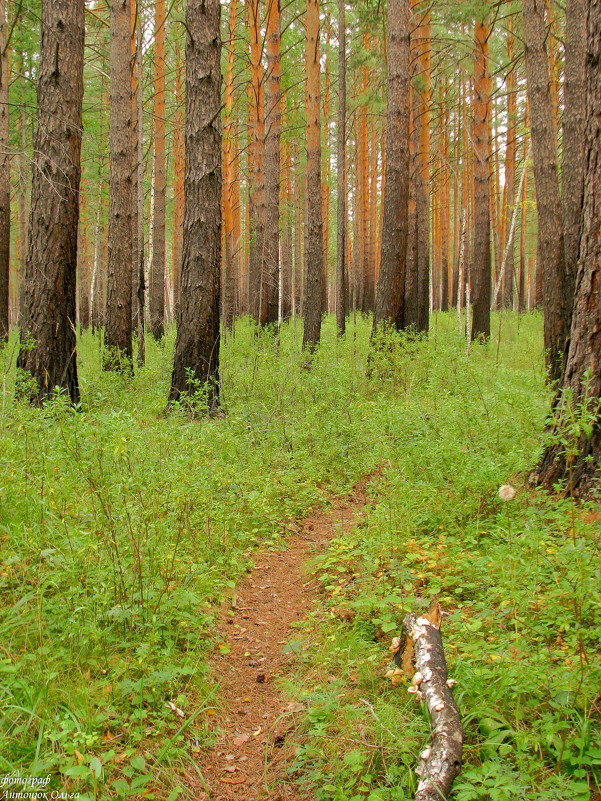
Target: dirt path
{"points": [[250, 759]]}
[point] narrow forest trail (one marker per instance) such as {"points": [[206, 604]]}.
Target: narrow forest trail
{"points": [[256, 724]]}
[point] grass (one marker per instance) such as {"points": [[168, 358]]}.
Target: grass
{"points": [[122, 528]]}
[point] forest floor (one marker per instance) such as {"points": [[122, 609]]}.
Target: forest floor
{"points": [[256, 724], [126, 533]]}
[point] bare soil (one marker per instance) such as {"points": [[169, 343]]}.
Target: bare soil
{"points": [[256, 725]]}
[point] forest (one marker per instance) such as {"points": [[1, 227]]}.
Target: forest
{"points": [[300, 418]]}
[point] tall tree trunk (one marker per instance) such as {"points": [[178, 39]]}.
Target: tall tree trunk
{"points": [[557, 298], [314, 260], [411, 288], [178, 176], [480, 272], [423, 186], [138, 264], [196, 360], [229, 284], [273, 115], [157, 297], [510, 162], [390, 292], [285, 200], [257, 285], [134, 176], [4, 177], [341, 175], [572, 162], [445, 204], [580, 374], [522, 299], [52, 249], [24, 183], [117, 338]]}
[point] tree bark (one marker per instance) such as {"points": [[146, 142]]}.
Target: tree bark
{"points": [[4, 178], [138, 263], [390, 291], [578, 462], [196, 361], [52, 248], [273, 113], [157, 295], [314, 259], [341, 175], [510, 169], [423, 185], [178, 177], [117, 338], [557, 299], [572, 163], [440, 762], [480, 272], [229, 287], [257, 284]]}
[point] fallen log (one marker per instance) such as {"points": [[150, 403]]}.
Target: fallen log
{"points": [[440, 762]]}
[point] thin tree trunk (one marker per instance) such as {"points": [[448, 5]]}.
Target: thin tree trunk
{"points": [[341, 175], [423, 186], [52, 249], [510, 162], [196, 360], [157, 297], [83, 268], [390, 293], [117, 338], [314, 276], [522, 299], [273, 114], [178, 176], [257, 284], [229, 286], [139, 234], [480, 273]]}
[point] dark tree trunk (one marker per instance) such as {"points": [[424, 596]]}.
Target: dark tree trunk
{"points": [[314, 257], [341, 176], [480, 272], [4, 178], [273, 115], [118, 332], [49, 328], [581, 468], [196, 361], [572, 163], [556, 295], [390, 291]]}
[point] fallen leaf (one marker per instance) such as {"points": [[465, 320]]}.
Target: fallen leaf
{"points": [[257, 732], [240, 739], [294, 706]]}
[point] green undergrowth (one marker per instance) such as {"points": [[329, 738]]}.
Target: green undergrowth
{"points": [[121, 528], [519, 579]]}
